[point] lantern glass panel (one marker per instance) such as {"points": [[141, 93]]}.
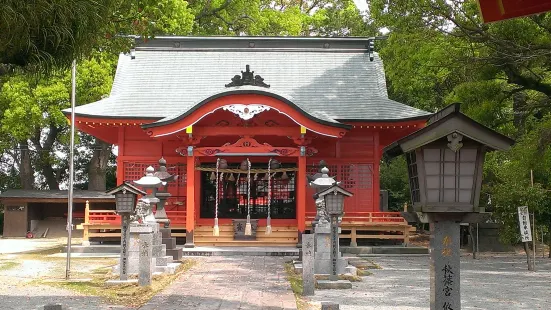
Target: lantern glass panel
{"points": [[125, 202], [450, 175], [334, 203], [413, 176]]}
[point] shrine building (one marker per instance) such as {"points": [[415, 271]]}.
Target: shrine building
{"points": [[244, 121]]}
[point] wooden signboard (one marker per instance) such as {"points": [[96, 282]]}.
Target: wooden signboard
{"points": [[524, 224], [495, 10]]}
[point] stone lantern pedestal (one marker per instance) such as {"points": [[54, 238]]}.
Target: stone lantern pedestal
{"points": [[323, 261]]}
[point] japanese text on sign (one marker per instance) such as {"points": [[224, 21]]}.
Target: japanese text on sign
{"points": [[524, 223]]}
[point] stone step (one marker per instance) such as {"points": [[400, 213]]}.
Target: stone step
{"points": [[169, 242], [385, 250], [95, 248], [241, 251], [176, 254]]}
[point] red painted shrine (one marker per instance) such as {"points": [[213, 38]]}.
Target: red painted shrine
{"points": [[296, 101]]}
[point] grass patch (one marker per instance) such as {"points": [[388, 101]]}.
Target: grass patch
{"points": [[129, 295], [8, 265], [364, 273], [295, 279]]}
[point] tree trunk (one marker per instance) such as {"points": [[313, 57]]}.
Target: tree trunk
{"points": [[25, 169], [49, 172], [45, 149], [528, 258], [97, 170]]}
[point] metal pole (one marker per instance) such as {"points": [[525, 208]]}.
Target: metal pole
{"points": [[534, 239], [477, 249], [71, 171], [542, 245]]}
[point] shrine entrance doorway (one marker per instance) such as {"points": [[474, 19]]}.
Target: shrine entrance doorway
{"points": [[275, 196]]}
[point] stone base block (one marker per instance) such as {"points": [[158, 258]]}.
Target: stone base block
{"points": [[351, 270], [333, 285], [120, 282], [165, 233], [175, 253], [159, 250], [323, 266], [298, 266], [168, 269], [54, 307], [163, 261], [329, 305], [141, 229], [170, 243]]}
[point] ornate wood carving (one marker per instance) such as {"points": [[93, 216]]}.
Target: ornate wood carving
{"points": [[454, 140], [247, 78], [246, 111], [271, 123], [302, 140], [247, 145], [310, 151], [222, 123], [190, 140]]}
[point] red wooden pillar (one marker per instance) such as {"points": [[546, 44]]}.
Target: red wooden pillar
{"points": [[190, 200], [301, 197], [376, 173]]}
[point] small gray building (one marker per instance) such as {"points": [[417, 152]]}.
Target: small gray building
{"points": [[38, 210]]}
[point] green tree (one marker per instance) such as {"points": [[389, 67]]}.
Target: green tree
{"points": [[45, 34]]}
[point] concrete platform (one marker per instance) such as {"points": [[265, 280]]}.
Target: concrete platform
{"points": [[95, 248], [113, 250], [241, 251], [382, 250], [333, 285]]}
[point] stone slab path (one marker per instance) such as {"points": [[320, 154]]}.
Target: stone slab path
{"points": [[489, 283], [227, 283]]}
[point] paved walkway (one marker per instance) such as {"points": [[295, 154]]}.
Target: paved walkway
{"points": [[228, 283], [490, 283]]}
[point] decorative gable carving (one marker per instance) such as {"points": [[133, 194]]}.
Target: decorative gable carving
{"points": [[247, 78], [246, 111]]}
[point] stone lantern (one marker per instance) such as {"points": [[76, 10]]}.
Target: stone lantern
{"points": [[334, 204], [125, 197], [319, 182], [445, 161], [150, 183], [162, 194]]}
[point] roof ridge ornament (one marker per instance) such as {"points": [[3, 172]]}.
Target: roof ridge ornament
{"points": [[247, 78]]}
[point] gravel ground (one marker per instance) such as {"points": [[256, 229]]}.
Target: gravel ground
{"points": [[19, 292], [491, 282]]}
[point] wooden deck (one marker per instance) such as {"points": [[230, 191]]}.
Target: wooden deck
{"points": [[104, 225]]}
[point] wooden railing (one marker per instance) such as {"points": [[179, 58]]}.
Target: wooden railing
{"points": [[354, 225], [107, 223], [371, 225], [367, 217]]}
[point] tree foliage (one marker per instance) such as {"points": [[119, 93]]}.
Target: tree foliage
{"points": [[439, 52]]}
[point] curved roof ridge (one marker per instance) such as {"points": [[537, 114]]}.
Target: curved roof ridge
{"points": [[243, 90]]}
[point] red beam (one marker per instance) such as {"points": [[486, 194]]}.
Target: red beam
{"points": [[246, 131], [495, 10]]}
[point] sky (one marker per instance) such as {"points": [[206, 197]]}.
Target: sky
{"points": [[361, 4]]}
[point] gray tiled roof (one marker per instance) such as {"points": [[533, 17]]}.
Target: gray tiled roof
{"points": [[53, 194], [163, 82]]}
